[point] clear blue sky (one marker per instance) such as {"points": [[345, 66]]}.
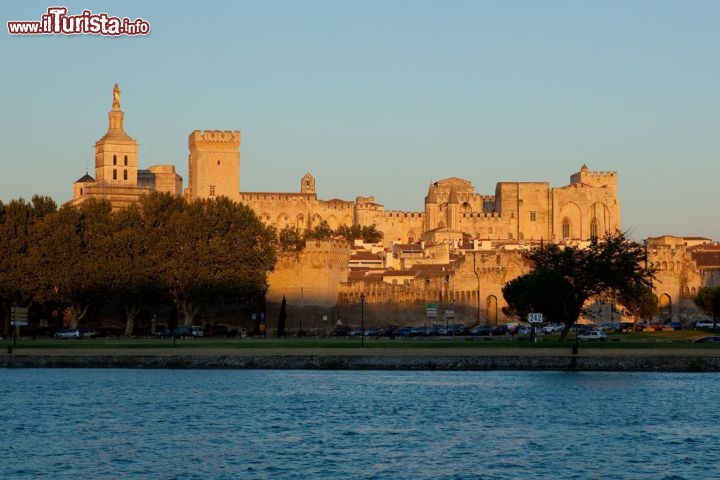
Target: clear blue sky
{"points": [[381, 97]]}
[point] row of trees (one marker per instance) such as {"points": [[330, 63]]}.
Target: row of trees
{"points": [[162, 249], [293, 239]]}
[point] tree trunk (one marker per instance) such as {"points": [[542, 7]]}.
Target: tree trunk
{"points": [[131, 311], [188, 311], [75, 319]]}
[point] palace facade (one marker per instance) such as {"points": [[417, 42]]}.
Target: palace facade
{"points": [[458, 251]]}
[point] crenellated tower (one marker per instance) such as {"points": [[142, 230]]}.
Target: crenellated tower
{"points": [[595, 178], [214, 164]]}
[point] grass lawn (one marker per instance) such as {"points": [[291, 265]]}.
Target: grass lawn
{"points": [[639, 340]]}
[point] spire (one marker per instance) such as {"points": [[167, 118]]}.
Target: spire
{"points": [[431, 196], [116, 118]]}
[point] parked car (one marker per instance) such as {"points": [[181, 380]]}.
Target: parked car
{"points": [[163, 332], [498, 331], [714, 339], [704, 324], [68, 333], [553, 328], [675, 325], [182, 332], [611, 327], [593, 335], [482, 330], [89, 333]]}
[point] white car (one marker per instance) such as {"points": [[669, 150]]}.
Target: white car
{"points": [[704, 324], [596, 335], [553, 328], [68, 333]]}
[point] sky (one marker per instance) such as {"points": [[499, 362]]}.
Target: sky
{"points": [[380, 98]]}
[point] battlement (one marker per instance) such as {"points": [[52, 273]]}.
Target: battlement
{"points": [[213, 137], [402, 214], [594, 178]]}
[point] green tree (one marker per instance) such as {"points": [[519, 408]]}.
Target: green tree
{"points": [[639, 300], [214, 251], [130, 275], [63, 258], [290, 239], [368, 234], [564, 278], [322, 231], [708, 300], [371, 234], [18, 220]]}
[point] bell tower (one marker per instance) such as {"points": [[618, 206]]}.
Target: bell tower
{"points": [[116, 160]]}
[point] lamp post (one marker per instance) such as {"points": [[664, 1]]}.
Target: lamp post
{"points": [[577, 340], [477, 275], [362, 320]]}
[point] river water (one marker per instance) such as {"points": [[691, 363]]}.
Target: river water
{"points": [[275, 424]]}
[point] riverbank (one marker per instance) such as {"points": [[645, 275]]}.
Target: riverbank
{"points": [[656, 359]]}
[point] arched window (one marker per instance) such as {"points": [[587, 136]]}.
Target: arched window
{"points": [[566, 228], [114, 159], [126, 160], [124, 174], [593, 228], [114, 174]]}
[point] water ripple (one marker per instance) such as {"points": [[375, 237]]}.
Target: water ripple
{"points": [[252, 424]]}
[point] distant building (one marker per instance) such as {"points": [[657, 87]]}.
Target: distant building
{"points": [[458, 252], [117, 177]]}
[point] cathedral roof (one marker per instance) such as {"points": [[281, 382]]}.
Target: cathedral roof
{"points": [[85, 179], [460, 183]]}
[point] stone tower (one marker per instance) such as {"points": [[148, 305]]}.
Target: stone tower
{"points": [[116, 154], [214, 164], [307, 184]]}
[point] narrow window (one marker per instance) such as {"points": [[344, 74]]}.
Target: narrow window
{"points": [[566, 229], [533, 216], [114, 174], [212, 190], [593, 228], [126, 160], [124, 174], [114, 159]]}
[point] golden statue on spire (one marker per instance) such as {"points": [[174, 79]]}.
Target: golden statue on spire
{"points": [[116, 96]]}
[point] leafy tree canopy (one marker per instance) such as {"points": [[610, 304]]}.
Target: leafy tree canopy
{"points": [[564, 278], [708, 300]]}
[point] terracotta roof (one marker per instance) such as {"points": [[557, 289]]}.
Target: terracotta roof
{"points": [[408, 247], [707, 259], [431, 270], [399, 273], [365, 256]]}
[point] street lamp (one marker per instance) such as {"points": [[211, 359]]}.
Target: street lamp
{"points": [[362, 320], [477, 275]]}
